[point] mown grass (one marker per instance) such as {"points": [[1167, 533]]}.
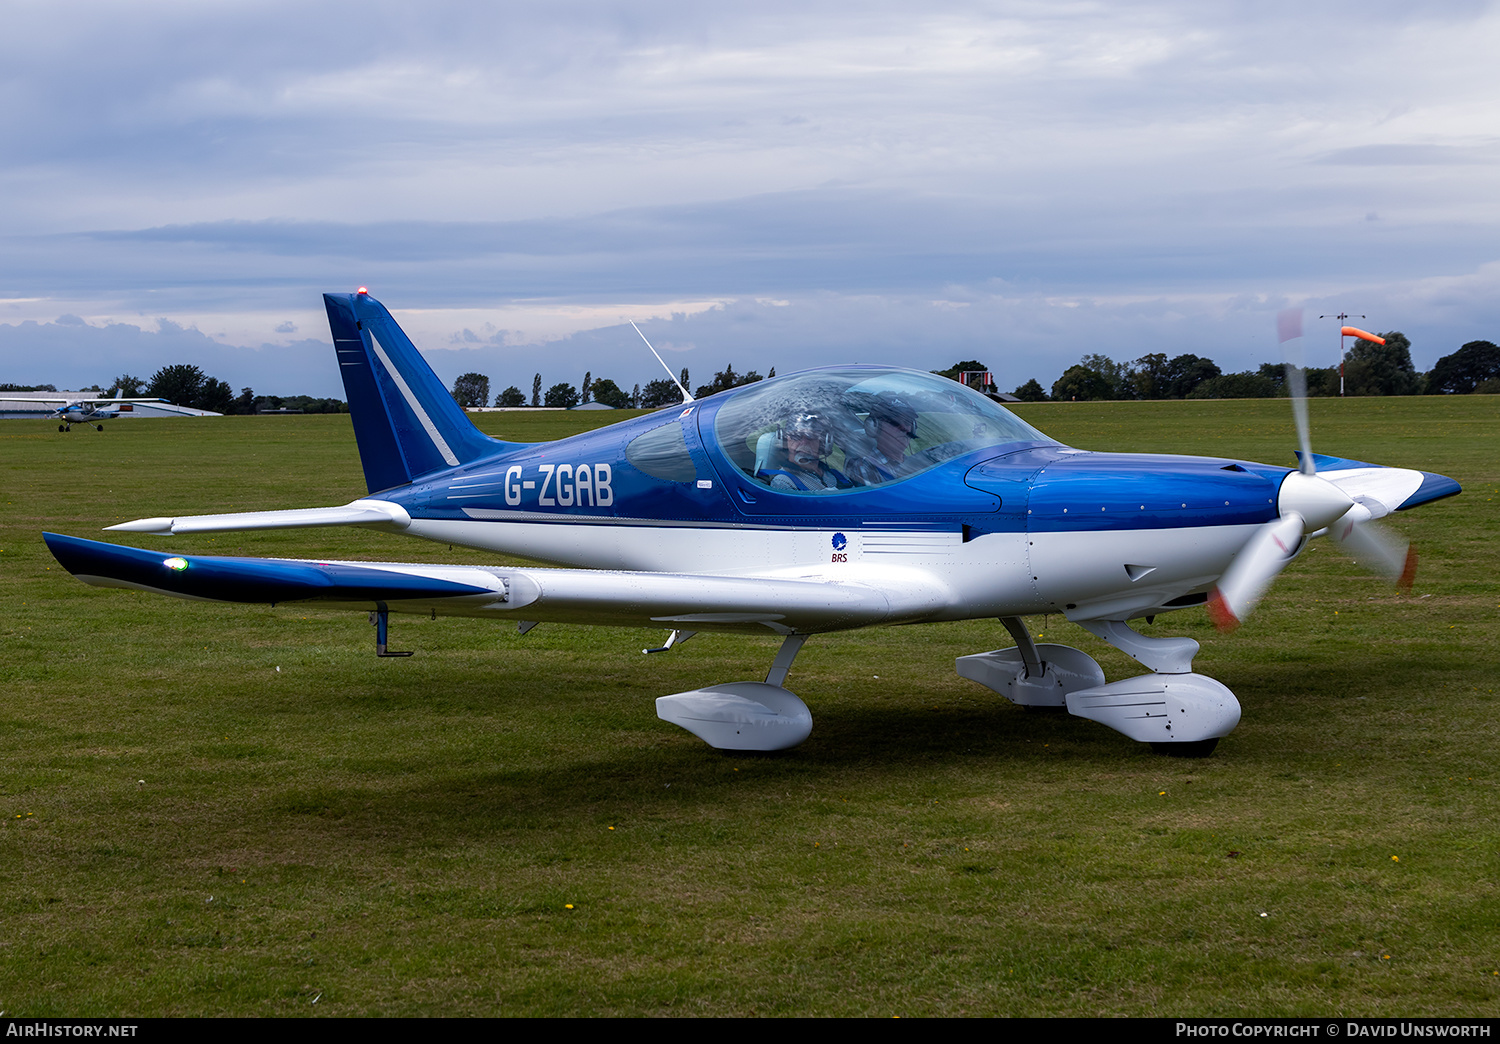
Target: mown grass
{"points": [[236, 810]]}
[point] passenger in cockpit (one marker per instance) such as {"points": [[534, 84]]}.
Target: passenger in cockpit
{"points": [[800, 465], [892, 423]]}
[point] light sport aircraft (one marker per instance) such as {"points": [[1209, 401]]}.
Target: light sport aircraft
{"points": [[738, 513], [81, 411]]}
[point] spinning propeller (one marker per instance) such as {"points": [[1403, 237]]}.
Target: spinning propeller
{"points": [[1307, 505]]}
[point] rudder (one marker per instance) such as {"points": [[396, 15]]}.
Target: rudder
{"points": [[405, 422]]}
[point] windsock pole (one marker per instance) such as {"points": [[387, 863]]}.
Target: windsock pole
{"points": [[1349, 331]]}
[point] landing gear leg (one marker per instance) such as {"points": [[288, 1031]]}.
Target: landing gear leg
{"points": [[790, 647], [1035, 676], [380, 618]]}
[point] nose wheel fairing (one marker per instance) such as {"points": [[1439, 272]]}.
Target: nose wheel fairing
{"points": [[1174, 709]]}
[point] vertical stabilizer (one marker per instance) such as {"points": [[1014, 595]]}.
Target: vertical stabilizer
{"points": [[406, 423]]}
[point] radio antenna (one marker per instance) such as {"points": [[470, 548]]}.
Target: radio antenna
{"points": [[686, 396]]}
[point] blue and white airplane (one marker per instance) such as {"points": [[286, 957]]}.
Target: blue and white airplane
{"points": [[69, 412], [817, 501]]}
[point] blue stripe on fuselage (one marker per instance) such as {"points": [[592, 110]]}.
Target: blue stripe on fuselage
{"points": [[1040, 488]]}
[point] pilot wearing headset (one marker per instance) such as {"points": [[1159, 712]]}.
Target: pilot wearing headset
{"points": [[804, 442], [892, 423]]}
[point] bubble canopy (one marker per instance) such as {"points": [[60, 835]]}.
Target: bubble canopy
{"points": [[846, 428]]}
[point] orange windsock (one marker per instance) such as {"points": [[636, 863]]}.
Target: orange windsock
{"points": [[1363, 335]]}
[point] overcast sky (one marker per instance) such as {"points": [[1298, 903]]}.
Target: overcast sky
{"points": [[767, 184]]}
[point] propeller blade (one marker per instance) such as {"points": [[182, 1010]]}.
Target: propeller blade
{"points": [[1378, 549], [1289, 329], [1259, 562]]}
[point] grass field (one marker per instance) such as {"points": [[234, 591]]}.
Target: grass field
{"points": [[215, 809]]}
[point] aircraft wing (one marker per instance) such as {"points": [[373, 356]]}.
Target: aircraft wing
{"points": [[696, 602], [64, 400], [1382, 490]]}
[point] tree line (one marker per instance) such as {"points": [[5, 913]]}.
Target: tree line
{"points": [[472, 390], [1369, 369], [187, 385]]}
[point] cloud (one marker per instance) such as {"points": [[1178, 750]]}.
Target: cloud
{"points": [[1014, 182], [1411, 155]]}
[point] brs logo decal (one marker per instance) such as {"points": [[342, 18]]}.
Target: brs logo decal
{"points": [[839, 543], [564, 485]]}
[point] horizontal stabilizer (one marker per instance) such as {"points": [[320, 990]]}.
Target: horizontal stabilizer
{"points": [[358, 513]]}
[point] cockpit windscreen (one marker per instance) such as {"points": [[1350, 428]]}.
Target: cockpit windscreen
{"points": [[835, 430]]}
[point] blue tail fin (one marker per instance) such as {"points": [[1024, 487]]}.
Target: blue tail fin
{"points": [[406, 423]]}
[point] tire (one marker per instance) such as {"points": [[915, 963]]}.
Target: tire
{"points": [[1200, 749]]}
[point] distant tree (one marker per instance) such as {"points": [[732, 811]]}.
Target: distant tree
{"points": [[1245, 385], [562, 394], [957, 370], [1465, 370], [1381, 369], [1148, 377], [471, 389], [587, 389], [215, 395], [683, 378], [660, 392], [126, 387], [1323, 381], [1276, 374], [726, 379], [536, 390], [635, 397], [608, 393], [967, 365], [511, 396], [1031, 391], [187, 385], [1081, 383], [298, 403], [246, 401], [1117, 374], [27, 387], [180, 384], [1186, 372]]}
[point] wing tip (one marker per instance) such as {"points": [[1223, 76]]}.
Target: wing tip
{"points": [[1433, 487]]}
